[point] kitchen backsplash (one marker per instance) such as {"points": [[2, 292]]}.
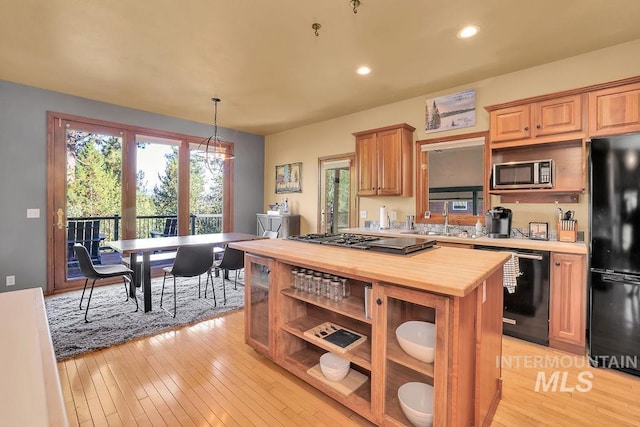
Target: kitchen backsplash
{"points": [[457, 229]]}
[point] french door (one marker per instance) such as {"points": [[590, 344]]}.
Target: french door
{"points": [[107, 181], [86, 178], [337, 202]]}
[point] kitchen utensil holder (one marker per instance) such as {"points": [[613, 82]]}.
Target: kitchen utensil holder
{"points": [[568, 231]]}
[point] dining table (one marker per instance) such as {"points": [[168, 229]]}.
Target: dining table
{"points": [[146, 246]]}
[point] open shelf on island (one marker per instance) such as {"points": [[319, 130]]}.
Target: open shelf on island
{"points": [[336, 337], [359, 355], [399, 356], [303, 360], [351, 306]]}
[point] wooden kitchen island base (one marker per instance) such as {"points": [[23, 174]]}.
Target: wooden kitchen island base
{"points": [[459, 290]]}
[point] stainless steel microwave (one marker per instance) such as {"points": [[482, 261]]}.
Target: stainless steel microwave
{"points": [[530, 174]]}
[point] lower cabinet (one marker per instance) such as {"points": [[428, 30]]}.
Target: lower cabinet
{"points": [[567, 305], [291, 326]]}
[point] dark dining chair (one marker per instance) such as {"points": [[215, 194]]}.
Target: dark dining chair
{"points": [[232, 260], [191, 261], [90, 271]]}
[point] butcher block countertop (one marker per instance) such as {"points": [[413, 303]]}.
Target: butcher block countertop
{"points": [[442, 270], [515, 243]]}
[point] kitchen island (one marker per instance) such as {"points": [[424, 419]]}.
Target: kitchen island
{"points": [[458, 290]]}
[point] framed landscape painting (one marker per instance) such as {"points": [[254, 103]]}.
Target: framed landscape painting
{"points": [[448, 112], [289, 178]]}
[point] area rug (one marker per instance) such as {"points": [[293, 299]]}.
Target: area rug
{"points": [[113, 321]]}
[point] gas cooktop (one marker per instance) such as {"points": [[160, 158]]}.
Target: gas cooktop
{"points": [[398, 245]]}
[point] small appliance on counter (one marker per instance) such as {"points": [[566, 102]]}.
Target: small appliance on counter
{"points": [[498, 222], [385, 222]]}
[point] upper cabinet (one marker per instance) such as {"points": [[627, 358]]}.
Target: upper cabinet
{"points": [[614, 110], [534, 122], [384, 161], [546, 127]]}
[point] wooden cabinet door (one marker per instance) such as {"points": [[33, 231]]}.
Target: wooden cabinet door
{"points": [[557, 116], [394, 367], [508, 124], [615, 110], [567, 311], [366, 165], [389, 145], [257, 329]]}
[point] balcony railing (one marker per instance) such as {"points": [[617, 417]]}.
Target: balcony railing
{"points": [[111, 226]]}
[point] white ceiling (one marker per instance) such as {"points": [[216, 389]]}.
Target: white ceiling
{"points": [[262, 58]]}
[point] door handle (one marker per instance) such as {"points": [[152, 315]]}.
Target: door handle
{"points": [[60, 215], [527, 256]]}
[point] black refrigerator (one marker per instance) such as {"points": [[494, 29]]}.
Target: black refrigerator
{"points": [[614, 264]]}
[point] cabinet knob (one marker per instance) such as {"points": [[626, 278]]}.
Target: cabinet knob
{"points": [[526, 128], [557, 263], [378, 301], [538, 126]]}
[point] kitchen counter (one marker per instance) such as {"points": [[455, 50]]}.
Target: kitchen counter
{"points": [[437, 270], [516, 243]]}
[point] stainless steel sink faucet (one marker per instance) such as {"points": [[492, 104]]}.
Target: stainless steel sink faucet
{"points": [[445, 213]]}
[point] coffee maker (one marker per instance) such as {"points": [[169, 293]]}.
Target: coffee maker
{"points": [[498, 222]]}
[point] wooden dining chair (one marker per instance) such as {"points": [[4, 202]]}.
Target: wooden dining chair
{"points": [[191, 261]]}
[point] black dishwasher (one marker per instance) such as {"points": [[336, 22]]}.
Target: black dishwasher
{"points": [[526, 310]]}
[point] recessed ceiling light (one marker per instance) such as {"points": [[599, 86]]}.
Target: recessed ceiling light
{"points": [[467, 32], [364, 70]]}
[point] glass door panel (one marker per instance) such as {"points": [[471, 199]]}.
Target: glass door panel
{"points": [[205, 193], [257, 302], [156, 186], [337, 207], [89, 176], [405, 362]]}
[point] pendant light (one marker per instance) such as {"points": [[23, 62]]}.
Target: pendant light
{"points": [[214, 150]]}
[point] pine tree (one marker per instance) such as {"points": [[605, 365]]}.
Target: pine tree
{"points": [[435, 117]]}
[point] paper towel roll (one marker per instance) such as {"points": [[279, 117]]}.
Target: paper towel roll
{"points": [[384, 218]]}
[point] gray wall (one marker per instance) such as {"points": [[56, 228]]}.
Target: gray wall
{"points": [[23, 174]]}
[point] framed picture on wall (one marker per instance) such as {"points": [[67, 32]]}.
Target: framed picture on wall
{"points": [[289, 178], [448, 112]]}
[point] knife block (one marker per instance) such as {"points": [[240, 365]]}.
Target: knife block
{"points": [[568, 231]]}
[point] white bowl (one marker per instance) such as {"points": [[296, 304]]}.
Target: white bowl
{"points": [[416, 401], [417, 339], [334, 367]]}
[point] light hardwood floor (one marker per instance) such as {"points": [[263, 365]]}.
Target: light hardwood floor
{"points": [[204, 374]]}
